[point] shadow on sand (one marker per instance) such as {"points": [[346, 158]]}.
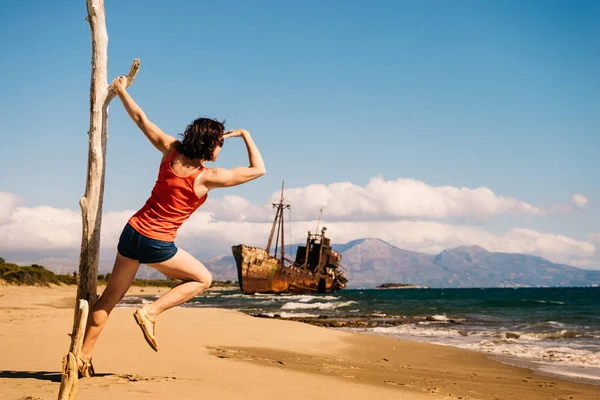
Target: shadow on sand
{"points": [[41, 375]]}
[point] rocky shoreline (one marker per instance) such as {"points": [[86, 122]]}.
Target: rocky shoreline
{"points": [[358, 322], [400, 286]]}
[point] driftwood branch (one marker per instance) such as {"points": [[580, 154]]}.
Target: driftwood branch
{"points": [[91, 202], [130, 77], [69, 379]]}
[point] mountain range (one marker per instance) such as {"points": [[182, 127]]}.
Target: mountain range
{"points": [[371, 262]]}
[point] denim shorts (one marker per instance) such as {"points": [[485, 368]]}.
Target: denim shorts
{"points": [[133, 244]]}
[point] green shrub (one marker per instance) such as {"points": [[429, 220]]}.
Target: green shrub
{"points": [[67, 279], [38, 275], [33, 275]]}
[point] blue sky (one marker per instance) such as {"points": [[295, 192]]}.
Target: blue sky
{"points": [[498, 94]]}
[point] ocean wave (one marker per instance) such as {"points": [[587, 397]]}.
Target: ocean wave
{"points": [[413, 330], [235, 295], [422, 329], [134, 300], [502, 344], [565, 355], [303, 298], [563, 334], [264, 302], [541, 325], [438, 318], [319, 306], [291, 315], [549, 302]]}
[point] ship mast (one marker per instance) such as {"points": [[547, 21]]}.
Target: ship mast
{"points": [[278, 221], [319, 221]]}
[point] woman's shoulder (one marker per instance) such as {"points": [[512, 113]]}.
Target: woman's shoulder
{"points": [[169, 155]]}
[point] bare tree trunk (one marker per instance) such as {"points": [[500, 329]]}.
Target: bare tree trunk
{"points": [[91, 202]]}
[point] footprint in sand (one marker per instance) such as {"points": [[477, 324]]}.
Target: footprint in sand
{"points": [[135, 378]]}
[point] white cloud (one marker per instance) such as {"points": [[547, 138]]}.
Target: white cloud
{"points": [[407, 198], [221, 223], [8, 204], [45, 228], [41, 228], [579, 200], [384, 199], [432, 237], [595, 238], [236, 208]]}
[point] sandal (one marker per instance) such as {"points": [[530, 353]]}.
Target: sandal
{"points": [[85, 369], [142, 318]]}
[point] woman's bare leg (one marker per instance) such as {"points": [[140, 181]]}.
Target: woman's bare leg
{"points": [[121, 278], [185, 267]]}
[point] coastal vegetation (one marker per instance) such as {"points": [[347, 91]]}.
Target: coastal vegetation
{"points": [[38, 275]]}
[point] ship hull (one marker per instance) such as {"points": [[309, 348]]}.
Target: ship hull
{"points": [[260, 273]]}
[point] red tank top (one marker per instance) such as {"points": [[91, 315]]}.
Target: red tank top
{"points": [[171, 203]]}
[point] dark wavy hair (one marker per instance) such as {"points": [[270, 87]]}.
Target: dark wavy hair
{"points": [[200, 138]]}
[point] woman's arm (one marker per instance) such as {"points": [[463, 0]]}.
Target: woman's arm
{"points": [[160, 140], [219, 177]]}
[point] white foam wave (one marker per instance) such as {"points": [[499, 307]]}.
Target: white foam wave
{"points": [[412, 330], [135, 300], [524, 345], [438, 318], [235, 295], [318, 306], [563, 334], [303, 298], [565, 355], [542, 325], [268, 301]]}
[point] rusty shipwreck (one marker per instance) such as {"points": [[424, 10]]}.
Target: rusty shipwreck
{"points": [[316, 268]]}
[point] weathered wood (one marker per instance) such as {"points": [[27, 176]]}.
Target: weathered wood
{"points": [[81, 318], [69, 380], [91, 202]]}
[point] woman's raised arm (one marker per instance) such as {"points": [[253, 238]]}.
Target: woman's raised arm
{"points": [[160, 140]]}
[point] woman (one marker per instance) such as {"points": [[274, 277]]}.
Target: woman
{"points": [[182, 186]]}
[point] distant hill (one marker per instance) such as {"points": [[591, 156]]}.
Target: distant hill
{"points": [[372, 262]]}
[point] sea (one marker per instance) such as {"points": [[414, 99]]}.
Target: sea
{"points": [[553, 331]]}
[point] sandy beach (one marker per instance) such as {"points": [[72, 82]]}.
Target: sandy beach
{"points": [[223, 354]]}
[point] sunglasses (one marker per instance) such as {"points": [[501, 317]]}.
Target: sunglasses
{"points": [[221, 142]]}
